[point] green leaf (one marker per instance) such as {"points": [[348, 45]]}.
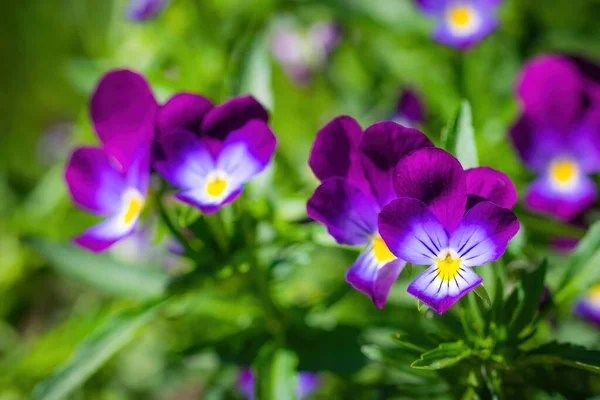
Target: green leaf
{"points": [[93, 352], [256, 73], [421, 307], [564, 354], [276, 376], [533, 287], [406, 342], [102, 271], [459, 138], [482, 293], [444, 356]]}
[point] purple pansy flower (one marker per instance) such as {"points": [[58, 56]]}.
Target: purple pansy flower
{"points": [[461, 23], [558, 134], [308, 382], [210, 153], [356, 170], [112, 181], [143, 10], [303, 52], [410, 111], [589, 307], [449, 219]]}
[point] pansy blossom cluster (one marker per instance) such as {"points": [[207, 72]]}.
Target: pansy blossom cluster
{"points": [[389, 189], [208, 152]]}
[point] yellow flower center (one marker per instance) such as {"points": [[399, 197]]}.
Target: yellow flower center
{"points": [[563, 171], [216, 187], [594, 294], [448, 267], [133, 209], [381, 251], [460, 16]]}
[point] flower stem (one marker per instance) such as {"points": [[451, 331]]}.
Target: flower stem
{"points": [[162, 211]]}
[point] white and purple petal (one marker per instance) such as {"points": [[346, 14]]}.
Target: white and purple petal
{"points": [[588, 307], [482, 22], [100, 237]]}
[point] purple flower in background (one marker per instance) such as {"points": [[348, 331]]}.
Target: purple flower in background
{"points": [[303, 52], [461, 23], [589, 307], [143, 10], [210, 153], [307, 384], [449, 219], [558, 134], [356, 169], [112, 181], [410, 111]]}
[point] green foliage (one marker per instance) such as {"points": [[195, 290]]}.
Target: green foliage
{"points": [[275, 373], [459, 137], [444, 356]]}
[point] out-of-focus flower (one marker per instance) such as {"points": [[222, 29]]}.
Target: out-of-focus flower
{"points": [[410, 111], [447, 218], [303, 52], [53, 144], [356, 170], [307, 384], [112, 181], [143, 10], [461, 23], [558, 134], [589, 307], [564, 244], [212, 160]]}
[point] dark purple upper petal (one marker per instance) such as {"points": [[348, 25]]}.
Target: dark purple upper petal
{"points": [[583, 141], [143, 10], [123, 111], [382, 146], [95, 181], [350, 215], [484, 183], [184, 110], [551, 90], [436, 178], [232, 115], [410, 107]]}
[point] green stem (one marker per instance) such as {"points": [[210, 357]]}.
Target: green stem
{"points": [[217, 227], [162, 211]]}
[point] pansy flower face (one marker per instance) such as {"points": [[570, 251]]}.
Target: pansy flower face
{"points": [[461, 23], [558, 135], [210, 157], [356, 170], [448, 219], [307, 384], [589, 307], [143, 10]]}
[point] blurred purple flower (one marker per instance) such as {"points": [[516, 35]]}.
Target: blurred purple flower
{"points": [[564, 244], [589, 307], [308, 382], [447, 218], [461, 23], [303, 52], [558, 134], [410, 111], [143, 10]]}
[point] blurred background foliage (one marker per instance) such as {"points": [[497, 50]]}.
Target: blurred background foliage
{"points": [[52, 297]]}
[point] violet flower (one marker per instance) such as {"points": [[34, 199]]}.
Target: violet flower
{"points": [[308, 382], [558, 135], [461, 23], [112, 181], [301, 53], [449, 219], [143, 10], [356, 170], [210, 153], [589, 307], [410, 111]]}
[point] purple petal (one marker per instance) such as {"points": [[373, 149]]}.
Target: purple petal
{"points": [[95, 181], [143, 10], [232, 115], [184, 110], [245, 383], [589, 307], [123, 111], [187, 160], [436, 178], [325, 35], [382, 146], [440, 294], [485, 183], [432, 7], [373, 277], [411, 231], [536, 146], [543, 196], [285, 43], [483, 234], [336, 152], [138, 174], [410, 108], [100, 237], [307, 384], [583, 142], [349, 215], [551, 88]]}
